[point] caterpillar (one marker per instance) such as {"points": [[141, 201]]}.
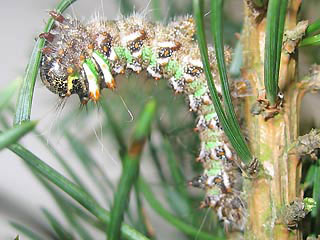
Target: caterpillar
{"points": [[83, 59]]}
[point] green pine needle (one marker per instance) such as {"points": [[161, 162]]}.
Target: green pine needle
{"points": [[72, 190], [310, 41], [26, 231], [313, 27], [316, 189], [189, 230], [61, 232], [130, 172], [273, 46], [7, 93], [13, 134]]}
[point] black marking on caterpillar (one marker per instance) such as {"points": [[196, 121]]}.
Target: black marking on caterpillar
{"points": [[83, 59]]}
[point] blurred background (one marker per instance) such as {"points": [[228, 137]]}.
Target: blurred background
{"points": [[22, 196]]}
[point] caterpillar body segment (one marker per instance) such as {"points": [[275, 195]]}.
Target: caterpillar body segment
{"points": [[83, 59]]}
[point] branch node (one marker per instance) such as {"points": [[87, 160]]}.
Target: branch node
{"points": [[296, 211]]}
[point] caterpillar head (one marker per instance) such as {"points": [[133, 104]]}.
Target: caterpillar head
{"points": [[67, 46]]}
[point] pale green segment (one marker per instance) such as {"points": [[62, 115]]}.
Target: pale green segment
{"points": [[179, 73], [216, 167], [102, 57], [124, 53], [213, 191], [208, 109], [149, 56], [175, 69], [92, 76], [210, 145], [200, 92], [104, 65], [209, 116], [195, 85], [198, 88], [92, 67], [214, 135]]}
